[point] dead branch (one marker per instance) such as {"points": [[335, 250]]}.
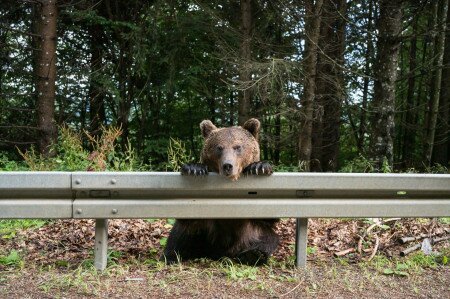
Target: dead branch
{"points": [[344, 252], [417, 246], [291, 290], [434, 241], [409, 239], [375, 248], [421, 236], [410, 249]]}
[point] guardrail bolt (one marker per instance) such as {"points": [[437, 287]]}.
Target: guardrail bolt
{"points": [[77, 181], [115, 211], [79, 211], [113, 181]]}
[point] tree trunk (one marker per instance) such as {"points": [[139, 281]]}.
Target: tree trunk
{"points": [[312, 29], [332, 108], [385, 71], [329, 86], [245, 76], [365, 97], [125, 90], [441, 16], [45, 70], [441, 147], [96, 94], [409, 138]]}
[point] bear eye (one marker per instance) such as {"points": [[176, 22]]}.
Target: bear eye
{"points": [[220, 148], [237, 147]]}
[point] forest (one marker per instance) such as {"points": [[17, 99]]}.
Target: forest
{"points": [[338, 85]]}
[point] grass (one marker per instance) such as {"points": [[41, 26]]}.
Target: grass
{"points": [[205, 278], [83, 280], [12, 259], [8, 228], [406, 266]]}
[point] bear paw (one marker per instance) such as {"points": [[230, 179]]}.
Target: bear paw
{"points": [[258, 168], [194, 169]]}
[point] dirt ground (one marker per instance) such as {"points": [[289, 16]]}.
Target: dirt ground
{"points": [[56, 262]]}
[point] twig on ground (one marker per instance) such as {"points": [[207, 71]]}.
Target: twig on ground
{"points": [[344, 252], [291, 290], [440, 239], [375, 248], [410, 249], [417, 246]]}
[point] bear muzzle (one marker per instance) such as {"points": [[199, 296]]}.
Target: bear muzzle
{"points": [[230, 170]]}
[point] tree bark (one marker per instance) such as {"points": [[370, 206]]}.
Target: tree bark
{"points": [[441, 16], [385, 71], [329, 86], [333, 105], [245, 76], [368, 60], [312, 29], [45, 70], [441, 149], [409, 137], [96, 94]]}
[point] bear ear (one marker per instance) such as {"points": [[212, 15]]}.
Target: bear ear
{"points": [[207, 127], [252, 125]]}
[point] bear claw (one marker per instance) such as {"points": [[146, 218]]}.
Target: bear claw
{"points": [[257, 168], [195, 169]]}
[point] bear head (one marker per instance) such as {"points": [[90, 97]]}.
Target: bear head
{"points": [[229, 150]]}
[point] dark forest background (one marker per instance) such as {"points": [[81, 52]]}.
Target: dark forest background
{"points": [[338, 85]]}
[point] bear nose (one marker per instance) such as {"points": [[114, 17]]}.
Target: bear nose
{"points": [[227, 168]]}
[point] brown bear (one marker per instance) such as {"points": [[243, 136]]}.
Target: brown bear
{"points": [[231, 152]]}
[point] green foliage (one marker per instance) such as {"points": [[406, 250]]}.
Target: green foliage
{"points": [[237, 271], [8, 228], [361, 164], [163, 241], [8, 165], [71, 155], [285, 168], [177, 154], [445, 220], [437, 168], [412, 264], [12, 259], [114, 256], [358, 164]]}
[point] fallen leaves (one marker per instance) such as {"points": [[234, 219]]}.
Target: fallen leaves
{"points": [[72, 241]]}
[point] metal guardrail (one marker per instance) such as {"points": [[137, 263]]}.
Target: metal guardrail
{"points": [[108, 195]]}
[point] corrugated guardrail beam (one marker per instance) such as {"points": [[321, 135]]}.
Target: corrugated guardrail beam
{"points": [[279, 185], [32, 194], [158, 195]]}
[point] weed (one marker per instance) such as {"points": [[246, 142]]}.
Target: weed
{"points": [[311, 250], [12, 259], [444, 220], [8, 228], [235, 271], [7, 165], [359, 164], [177, 154], [71, 155], [85, 281], [114, 256]]}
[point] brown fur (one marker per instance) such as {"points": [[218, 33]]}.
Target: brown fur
{"points": [[227, 151], [234, 145]]}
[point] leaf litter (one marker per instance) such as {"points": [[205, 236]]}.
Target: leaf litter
{"points": [[72, 241]]}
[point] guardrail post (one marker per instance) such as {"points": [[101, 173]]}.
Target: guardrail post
{"points": [[101, 244], [301, 242]]}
